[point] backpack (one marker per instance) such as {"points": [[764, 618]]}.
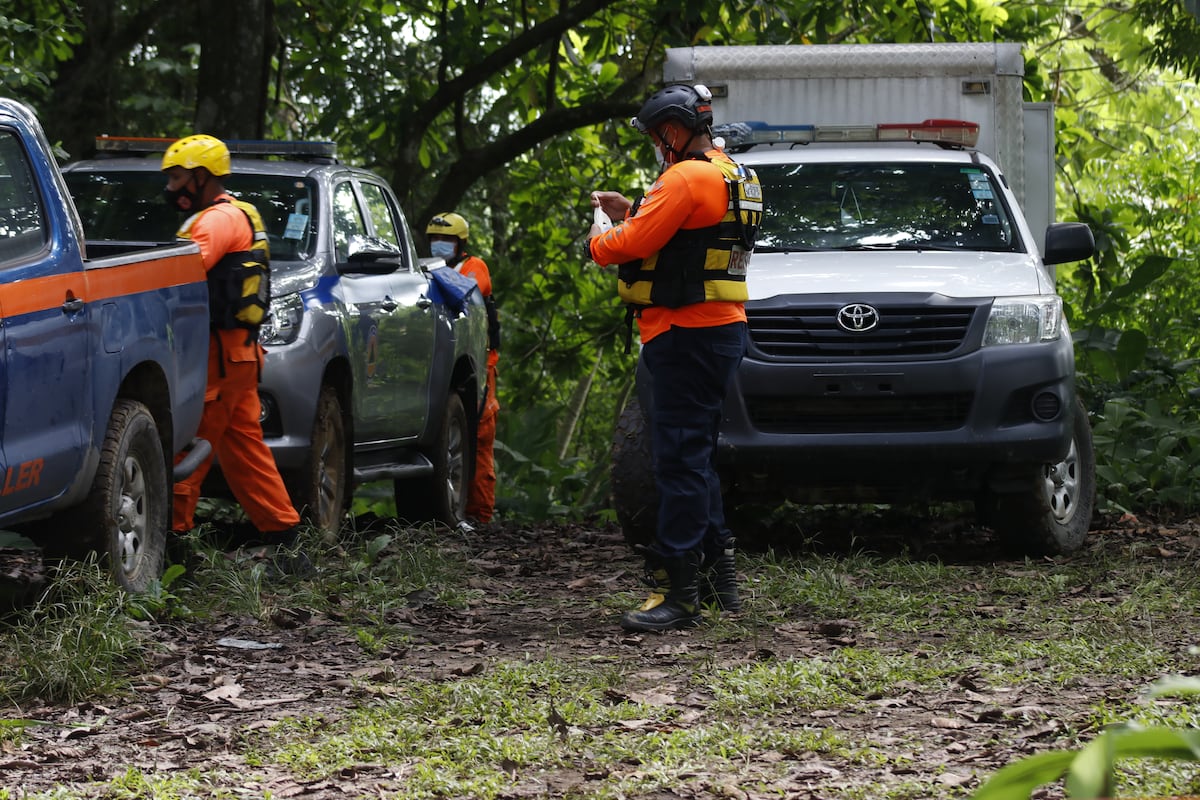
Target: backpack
{"points": [[239, 285]]}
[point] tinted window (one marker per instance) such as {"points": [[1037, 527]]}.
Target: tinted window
{"points": [[128, 206], [835, 206], [22, 223]]}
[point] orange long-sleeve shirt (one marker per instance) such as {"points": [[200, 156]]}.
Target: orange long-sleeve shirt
{"points": [[689, 194]]}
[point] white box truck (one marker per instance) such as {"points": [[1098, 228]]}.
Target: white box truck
{"points": [[906, 340]]}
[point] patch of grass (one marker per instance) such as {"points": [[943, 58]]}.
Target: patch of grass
{"points": [[75, 642], [477, 737], [844, 679], [134, 784]]}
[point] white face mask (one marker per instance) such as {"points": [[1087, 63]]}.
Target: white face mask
{"points": [[444, 250], [660, 156]]}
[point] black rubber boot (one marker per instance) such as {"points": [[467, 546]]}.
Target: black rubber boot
{"points": [[679, 606], [718, 577]]}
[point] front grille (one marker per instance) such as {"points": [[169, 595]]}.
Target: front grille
{"points": [[798, 415], [811, 331]]}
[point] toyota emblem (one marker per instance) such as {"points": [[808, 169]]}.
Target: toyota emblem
{"points": [[857, 318]]}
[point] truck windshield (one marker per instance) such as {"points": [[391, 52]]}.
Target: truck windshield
{"points": [[128, 206], [882, 206]]}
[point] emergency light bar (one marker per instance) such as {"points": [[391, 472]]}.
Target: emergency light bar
{"points": [[945, 132], [244, 147]]}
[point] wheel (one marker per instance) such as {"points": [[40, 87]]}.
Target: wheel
{"points": [[319, 489], [634, 493], [128, 509], [1053, 513], [441, 496]]}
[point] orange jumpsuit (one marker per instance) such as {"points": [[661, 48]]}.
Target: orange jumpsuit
{"points": [[231, 406], [481, 501]]}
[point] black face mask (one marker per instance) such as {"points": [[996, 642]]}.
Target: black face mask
{"points": [[182, 199]]}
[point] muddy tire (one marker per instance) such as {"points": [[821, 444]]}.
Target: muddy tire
{"points": [[128, 510], [320, 489], [442, 496], [1052, 513], [634, 493]]}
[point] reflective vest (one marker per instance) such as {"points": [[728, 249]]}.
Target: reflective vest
{"points": [[702, 264], [239, 285]]}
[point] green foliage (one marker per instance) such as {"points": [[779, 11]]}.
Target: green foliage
{"points": [[1088, 772], [1147, 458], [34, 43]]}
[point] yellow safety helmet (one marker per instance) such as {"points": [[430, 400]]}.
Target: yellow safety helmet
{"points": [[198, 151], [448, 224]]}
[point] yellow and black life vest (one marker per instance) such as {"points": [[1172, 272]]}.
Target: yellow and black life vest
{"points": [[702, 264], [239, 285]]}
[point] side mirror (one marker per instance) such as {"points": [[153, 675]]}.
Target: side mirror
{"points": [[370, 255], [1068, 241]]}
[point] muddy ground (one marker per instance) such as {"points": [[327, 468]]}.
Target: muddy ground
{"points": [[210, 683]]}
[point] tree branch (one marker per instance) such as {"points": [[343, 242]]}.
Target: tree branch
{"points": [[474, 164]]}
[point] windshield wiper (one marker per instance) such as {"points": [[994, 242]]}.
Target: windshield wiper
{"points": [[794, 248], [907, 247]]}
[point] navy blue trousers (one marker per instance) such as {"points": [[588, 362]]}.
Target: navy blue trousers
{"points": [[692, 368]]}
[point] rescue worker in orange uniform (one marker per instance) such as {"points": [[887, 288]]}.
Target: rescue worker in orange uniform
{"points": [[225, 233], [447, 235], [683, 251]]}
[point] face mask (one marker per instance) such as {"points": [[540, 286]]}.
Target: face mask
{"points": [[181, 199], [444, 250], [660, 157]]}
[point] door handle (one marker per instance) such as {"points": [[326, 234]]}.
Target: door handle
{"points": [[388, 303], [424, 302], [72, 305]]}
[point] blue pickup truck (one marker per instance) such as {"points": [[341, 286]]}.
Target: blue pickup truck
{"points": [[103, 354]]}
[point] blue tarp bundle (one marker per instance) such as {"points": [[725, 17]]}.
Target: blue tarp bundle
{"points": [[451, 288]]}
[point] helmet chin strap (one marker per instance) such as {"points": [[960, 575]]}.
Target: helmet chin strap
{"points": [[676, 155]]}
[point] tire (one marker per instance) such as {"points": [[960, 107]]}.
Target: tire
{"points": [[1052, 514], [634, 493], [319, 490], [442, 496], [127, 512]]}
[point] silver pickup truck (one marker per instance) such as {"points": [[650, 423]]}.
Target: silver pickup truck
{"points": [[368, 375]]}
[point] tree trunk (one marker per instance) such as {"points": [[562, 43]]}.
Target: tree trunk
{"points": [[236, 42]]}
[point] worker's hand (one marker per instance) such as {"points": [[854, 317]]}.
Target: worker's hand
{"points": [[614, 204]]}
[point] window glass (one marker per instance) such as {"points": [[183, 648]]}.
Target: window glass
{"points": [[381, 213], [347, 220], [22, 222], [287, 208], [388, 221], [128, 206], [882, 205]]}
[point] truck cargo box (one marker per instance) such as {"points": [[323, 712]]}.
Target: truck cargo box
{"points": [[872, 83]]}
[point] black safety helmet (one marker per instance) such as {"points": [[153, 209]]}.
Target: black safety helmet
{"points": [[690, 105]]}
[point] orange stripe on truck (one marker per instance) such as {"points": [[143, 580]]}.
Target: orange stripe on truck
{"points": [[99, 282]]}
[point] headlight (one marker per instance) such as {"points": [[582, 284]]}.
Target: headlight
{"points": [[1024, 320], [283, 324]]}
